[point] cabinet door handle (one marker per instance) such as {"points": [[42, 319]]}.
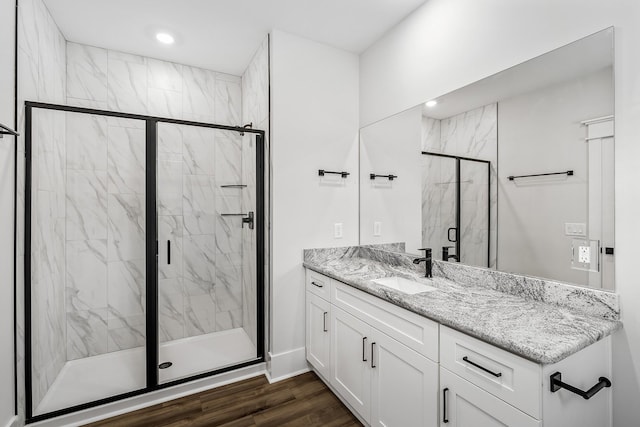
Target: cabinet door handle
{"points": [[364, 340], [324, 321], [168, 251], [466, 359], [445, 418], [372, 346], [316, 284]]}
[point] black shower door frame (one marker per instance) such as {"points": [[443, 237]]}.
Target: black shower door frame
{"points": [[151, 287], [458, 160]]}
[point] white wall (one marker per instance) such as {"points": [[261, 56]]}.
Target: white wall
{"points": [[540, 132], [471, 40], [7, 112], [314, 116], [392, 146]]}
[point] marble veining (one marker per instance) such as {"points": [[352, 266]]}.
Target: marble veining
{"points": [[520, 323]]}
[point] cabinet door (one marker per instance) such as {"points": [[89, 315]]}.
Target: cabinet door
{"points": [[318, 336], [466, 405], [404, 388], [350, 357]]}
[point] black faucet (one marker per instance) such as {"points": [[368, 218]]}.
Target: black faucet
{"points": [[446, 256], [427, 260]]}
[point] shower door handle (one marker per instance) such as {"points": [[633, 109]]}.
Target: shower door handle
{"points": [[455, 239], [168, 252]]}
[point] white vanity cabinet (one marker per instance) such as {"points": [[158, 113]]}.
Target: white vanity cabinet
{"points": [[350, 358], [385, 382], [318, 338], [466, 405], [396, 368], [318, 322]]}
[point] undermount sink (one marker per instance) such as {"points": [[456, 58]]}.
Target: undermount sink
{"points": [[406, 286]]}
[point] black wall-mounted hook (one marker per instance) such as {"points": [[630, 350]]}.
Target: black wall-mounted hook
{"points": [[557, 384], [390, 176], [322, 172]]}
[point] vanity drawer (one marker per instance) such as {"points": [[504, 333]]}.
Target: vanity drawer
{"points": [[414, 331], [509, 377], [319, 284]]}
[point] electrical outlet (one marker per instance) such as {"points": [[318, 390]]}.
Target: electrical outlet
{"points": [[377, 228], [337, 230], [584, 254]]}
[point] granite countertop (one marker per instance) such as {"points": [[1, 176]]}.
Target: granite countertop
{"points": [[538, 331]]}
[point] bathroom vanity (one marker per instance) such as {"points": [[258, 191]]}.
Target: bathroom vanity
{"points": [[454, 353]]}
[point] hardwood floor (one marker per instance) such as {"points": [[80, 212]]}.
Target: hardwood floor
{"points": [[303, 400]]}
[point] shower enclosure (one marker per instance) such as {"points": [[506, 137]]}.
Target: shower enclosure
{"points": [[456, 208], [143, 240]]}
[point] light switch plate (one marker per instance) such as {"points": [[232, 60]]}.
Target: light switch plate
{"points": [[575, 229], [377, 228]]}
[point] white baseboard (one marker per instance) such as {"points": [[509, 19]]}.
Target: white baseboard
{"points": [[287, 364], [285, 377], [153, 398], [13, 422]]}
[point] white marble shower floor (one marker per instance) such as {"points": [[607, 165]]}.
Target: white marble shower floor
{"points": [[98, 377]]}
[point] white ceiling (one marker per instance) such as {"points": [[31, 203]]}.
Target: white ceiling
{"points": [[223, 35], [580, 58]]}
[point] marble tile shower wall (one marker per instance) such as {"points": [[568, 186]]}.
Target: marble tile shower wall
{"points": [[41, 55], [201, 286], [200, 291], [255, 109], [470, 134], [105, 245]]}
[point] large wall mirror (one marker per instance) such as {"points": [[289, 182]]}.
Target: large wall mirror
{"points": [[514, 172]]}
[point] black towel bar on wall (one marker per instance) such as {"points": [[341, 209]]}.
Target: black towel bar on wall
{"points": [[512, 177], [390, 176], [322, 172], [557, 384]]}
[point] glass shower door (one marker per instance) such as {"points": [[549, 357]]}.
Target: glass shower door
{"points": [[86, 261], [207, 283], [456, 208], [439, 204], [474, 213]]}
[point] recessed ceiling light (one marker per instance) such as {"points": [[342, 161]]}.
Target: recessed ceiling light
{"points": [[165, 38], [431, 103]]}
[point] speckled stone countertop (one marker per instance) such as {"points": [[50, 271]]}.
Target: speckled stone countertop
{"points": [[539, 331]]}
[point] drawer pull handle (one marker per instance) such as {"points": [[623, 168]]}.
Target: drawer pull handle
{"points": [[445, 418], [324, 322], [316, 284], [372, 364], [466, 359], [557, 384], [364, 340]]}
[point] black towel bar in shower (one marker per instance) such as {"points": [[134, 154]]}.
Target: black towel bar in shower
{"points": [[4, 130], [322, 172], [512, 177], [390, 176], [557, 384]]}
